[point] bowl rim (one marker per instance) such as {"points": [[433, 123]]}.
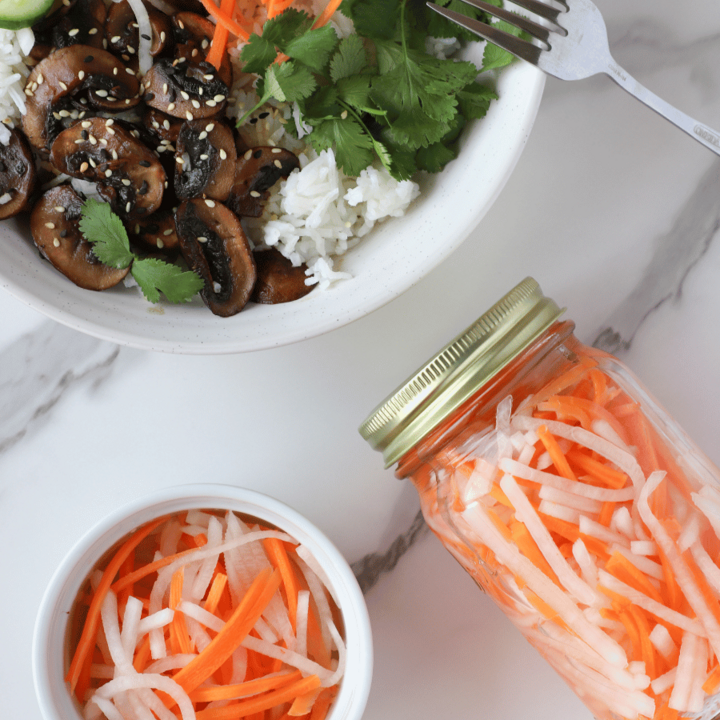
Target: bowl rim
{"points": [[51, 691]]}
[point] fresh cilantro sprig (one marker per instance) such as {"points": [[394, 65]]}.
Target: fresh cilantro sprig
{"points": [[110, 243], [376, 94]]}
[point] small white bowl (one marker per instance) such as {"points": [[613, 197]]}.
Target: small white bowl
{"points": [[50, 644]]}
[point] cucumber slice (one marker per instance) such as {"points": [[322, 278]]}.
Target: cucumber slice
{"points": [[16, 14]]}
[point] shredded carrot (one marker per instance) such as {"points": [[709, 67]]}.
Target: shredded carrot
{"points": [[245, 689], [278, 557], [222, 33], [219, 584], [556, 454], [324, 17], [225, 21]]}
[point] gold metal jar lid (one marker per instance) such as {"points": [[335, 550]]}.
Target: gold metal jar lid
{"points": [[466, 363]]}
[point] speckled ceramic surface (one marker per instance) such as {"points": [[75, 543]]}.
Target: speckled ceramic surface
{"points": [[386, 263]]}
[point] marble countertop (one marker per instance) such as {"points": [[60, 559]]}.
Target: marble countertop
{"points": [[613, 210]]}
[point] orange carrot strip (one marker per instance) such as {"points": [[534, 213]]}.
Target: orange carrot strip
{"points": [[632, 631], [528, 547], [243, 619], [619, 566], [176, 587], [219, 583], [322, 704], [225, 20], [500, 496], [244, 689], [142, 655], [324, 17], [279, 559], [87, 637], [303, 704], [556, 454], [262, 702], [712, 683], [647, 650], [142, 572], [606, 513], [609, 476], [499, 524]]}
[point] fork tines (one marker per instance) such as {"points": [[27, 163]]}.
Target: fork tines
{"points": [[520, 48]]}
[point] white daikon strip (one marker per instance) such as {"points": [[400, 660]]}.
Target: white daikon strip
{"points": [[708, 568], [647, 603], [544, 461], [585, 561], [503, 413], [193, 530], [643, 547], [593, 615], [509, 556], [199, 637], [622, 522], [208, 565], [660, 684], [155, 621], [599, 531], [683, 575], [649, 567], [696, 696], [170, 537], [662, 641], [198, 517], [239, 665], [144, 35], [289, 657], [111, 626], [315, 566], [106, 707], [561, 512], [525, 512], [175, 662], [317, 590], [637, 667], [569, 499], [709, 508], [340, 645], [680, 694], [263, 629], [526, 455], [690, 532], [131, 623], [303, 607], [101, 642], [154, 682], [516, 468], [140, 709], [201, 615], [155, 704], [604, 429], [622, 458]]}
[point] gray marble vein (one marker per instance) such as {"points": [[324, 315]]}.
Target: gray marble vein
{"points": [[39, 368], [675, 254]]}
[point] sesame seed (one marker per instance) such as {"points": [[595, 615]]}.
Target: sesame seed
{"points": [[145, 36], [115, 71], [101, 93], [110, 130], [92, 31], [166, 124], [115, 39], [171, 106], [344, 114], [131, 49], [56, 242], [184, 95], [129, 71], [108, 173], [254, 193], [210, 103], [40, 79], [223, 155], [210, 203], [181, 24], [128, 206], [127, 102], [277, 164], [84, 167], [196, 104], [87, 124], [248, 155], [81, 75], [203, 157], [79, 141], [209, 127], [162, 37], [104, 141], [179, 160], [219, 98], [93, 140], [204, 44], [276, 150], [59, 208], [50, 226], [165, 88], [63, 85], [160, 243], [194, 52], [114, 155], [208, 77], [168, 232], [109, 122], [202, 239], [74, 32], [81, 115], [189, 115], [202, 135], [126, 182]]}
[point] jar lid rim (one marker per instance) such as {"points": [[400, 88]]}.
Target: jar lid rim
{"points": [[456, 372]]}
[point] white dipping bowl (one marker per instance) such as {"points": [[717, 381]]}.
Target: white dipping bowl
{"points": [[51, 651], [392, 258]]}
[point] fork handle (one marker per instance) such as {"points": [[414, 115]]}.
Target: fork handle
{"points": [[702, 133]]}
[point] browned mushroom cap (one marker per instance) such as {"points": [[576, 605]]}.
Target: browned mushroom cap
{"points": [[121, 30], [205, 160], [255, 173], [56, 81], [184, 90], [278, 280], [214, 245], [193, 35], [128, 175], [157, 233], [75, 22], [18, 176], [164, 128], [55, 230]]}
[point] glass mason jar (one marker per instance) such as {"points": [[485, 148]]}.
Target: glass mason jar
{"points": [[574, 501]]}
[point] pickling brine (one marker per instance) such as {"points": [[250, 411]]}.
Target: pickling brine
{"points": [[574, 501]]}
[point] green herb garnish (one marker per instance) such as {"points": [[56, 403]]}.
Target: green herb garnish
{"points": [[104, 230], [376, 94]]}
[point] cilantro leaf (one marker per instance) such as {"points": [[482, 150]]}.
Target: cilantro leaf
{"points": [[314, 48], [349, 60], [352, 143], [289, 82], [435, 157], [495, 57], [283, 28], [257, 54], [155, 276], [376, 19], [355, 91], [104, 229], [439, 26], [474, 100]]}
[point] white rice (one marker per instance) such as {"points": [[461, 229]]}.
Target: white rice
{"points": [[14, 48]]}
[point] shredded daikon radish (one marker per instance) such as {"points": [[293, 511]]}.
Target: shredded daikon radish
{"points": [[130, 626], [303, 607], [201, 615], [649, 567], [643, 547], [153, 681], [571, 500], [144, 35], [680, 694], [706, 565], [561, 512], [170, 663], [597, 530], [587, 565], [664, 682], [662, 641]]}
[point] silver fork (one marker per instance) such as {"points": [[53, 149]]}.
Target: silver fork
{"points": [[573, 45]]}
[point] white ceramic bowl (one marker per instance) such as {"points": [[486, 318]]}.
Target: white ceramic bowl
{"points": [[390, 260], [50, 643]]}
